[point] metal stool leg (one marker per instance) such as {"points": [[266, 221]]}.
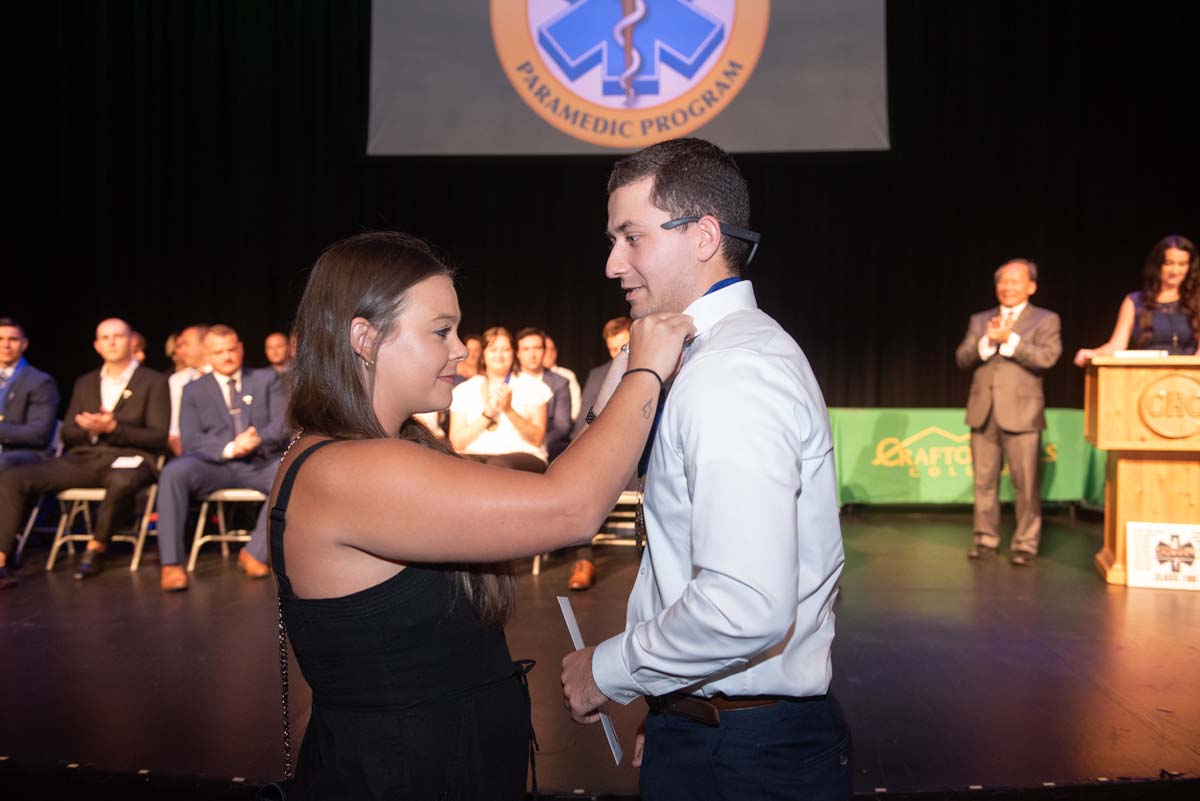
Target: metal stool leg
{"points": [[198, 540], [221, 528]]}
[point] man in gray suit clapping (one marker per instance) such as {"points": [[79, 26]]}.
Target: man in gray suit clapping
{"points": [[1009, 348]]}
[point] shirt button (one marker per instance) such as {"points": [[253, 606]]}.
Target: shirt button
{"points": [[642, 571]]}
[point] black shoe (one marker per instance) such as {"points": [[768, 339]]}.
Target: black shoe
{"points": [[8, 578], [90, 565], [1023, 558], [980, 552]]}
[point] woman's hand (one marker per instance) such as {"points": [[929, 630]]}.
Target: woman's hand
{"points": [[504, 397], [1083, 356], [656, 342]]}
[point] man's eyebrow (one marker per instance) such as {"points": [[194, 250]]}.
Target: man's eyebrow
{"points": [[623, 227]]}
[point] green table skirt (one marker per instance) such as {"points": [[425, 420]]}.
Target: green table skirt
{"points": [[910, 456]]}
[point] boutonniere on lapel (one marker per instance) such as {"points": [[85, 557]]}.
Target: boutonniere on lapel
{"points": [[127, 394], [247, 399]]}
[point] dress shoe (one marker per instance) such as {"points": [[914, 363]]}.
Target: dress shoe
{"points": [[582, 575], [1023, 558], [980, 552], [173, 579], [90, 565], [8, 578], [251, 566]]}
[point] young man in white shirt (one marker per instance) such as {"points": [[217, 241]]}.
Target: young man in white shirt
{"points": [[730, 621]]}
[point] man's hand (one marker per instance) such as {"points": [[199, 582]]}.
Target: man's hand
{"points": [[581, 696], [998, 332], [246, 443], [175, 444], [97, 423], [639, 745]]}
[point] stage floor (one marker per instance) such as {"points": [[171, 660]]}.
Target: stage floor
{"points": [[952, 673]]}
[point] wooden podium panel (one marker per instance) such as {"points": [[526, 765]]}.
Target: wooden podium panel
{"points": [[1146, 414]]}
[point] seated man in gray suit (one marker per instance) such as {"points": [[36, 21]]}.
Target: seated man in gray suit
{"points": [[28, 402], [115, 429], [233, 431], [1009, 348]]}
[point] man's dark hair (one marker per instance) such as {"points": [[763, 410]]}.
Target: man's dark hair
{"points": [[615, 326], [692, 178], [8, 322], [530, 331]]}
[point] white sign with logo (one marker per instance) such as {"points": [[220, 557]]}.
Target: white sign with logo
{"points": [[1162, 555]]}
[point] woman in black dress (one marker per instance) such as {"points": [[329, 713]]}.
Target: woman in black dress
{"points": [[390, 577], [1165, 313]]}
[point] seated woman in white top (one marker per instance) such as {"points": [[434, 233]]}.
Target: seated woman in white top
{"points": [[497, 417]]}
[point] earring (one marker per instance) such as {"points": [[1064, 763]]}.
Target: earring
{"points": [[368, 362]]}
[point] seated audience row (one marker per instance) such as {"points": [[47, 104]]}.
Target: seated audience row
{"points": [[225, 422]]}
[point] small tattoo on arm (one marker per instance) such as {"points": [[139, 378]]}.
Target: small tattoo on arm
{"points": [[648, 409]]}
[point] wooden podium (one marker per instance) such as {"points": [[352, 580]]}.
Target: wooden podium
{"points": [[1146, 413]]}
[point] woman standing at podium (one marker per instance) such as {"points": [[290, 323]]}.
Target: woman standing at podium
{"points": [[1165, 314]]}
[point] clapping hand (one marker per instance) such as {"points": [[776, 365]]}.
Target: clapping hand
{"points": [[997, 331], [246, 442], [96, 423]]}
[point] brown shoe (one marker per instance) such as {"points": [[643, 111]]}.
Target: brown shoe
{"points": [[173, 578], [251, 566], [582, 575]]}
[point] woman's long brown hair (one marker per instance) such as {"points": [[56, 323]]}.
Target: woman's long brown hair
{"points": [[368, 276]]}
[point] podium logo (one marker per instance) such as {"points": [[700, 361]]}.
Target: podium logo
{"points": [[628, 73], [935, 452], [1170, 406]]}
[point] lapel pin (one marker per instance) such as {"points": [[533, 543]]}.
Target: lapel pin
{"points": [[247, 399]]}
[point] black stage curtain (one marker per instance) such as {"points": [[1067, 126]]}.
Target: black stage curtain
{"points": [[188, 161]]}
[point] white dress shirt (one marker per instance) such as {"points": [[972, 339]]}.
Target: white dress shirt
{"points": [[988, 349], [736, 588], [573, 385], [175, 384], [112, 387]]}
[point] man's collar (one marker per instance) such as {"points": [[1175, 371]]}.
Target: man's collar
{"points": [[122, 376], [1015, 309], [20, 363], [707, 310]]}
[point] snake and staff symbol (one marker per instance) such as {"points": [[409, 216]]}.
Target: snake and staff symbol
{"points": [[632, 12]]}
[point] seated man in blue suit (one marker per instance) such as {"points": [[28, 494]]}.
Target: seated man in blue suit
{"points": [[28, 401], [232, 426]]}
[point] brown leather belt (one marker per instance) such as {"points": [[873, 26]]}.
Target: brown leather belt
{"points": [[708, 710]]}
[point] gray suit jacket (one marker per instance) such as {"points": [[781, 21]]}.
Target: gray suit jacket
{"points": [[206, 425], [1011, 388]]}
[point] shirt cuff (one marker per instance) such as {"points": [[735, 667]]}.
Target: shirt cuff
{"points": [[609, 673], [1010, 346], [987, 348], [227, 453]]}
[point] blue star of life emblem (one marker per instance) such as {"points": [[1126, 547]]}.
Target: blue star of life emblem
{"points": [[632, 39]]}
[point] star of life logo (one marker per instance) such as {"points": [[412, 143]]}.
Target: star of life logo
{"points": [[628, 73]]}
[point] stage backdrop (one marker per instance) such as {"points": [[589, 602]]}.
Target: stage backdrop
{"points": [[586, 76], [909, 456]]}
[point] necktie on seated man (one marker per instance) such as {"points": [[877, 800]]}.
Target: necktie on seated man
{"points": [[236, 409]]}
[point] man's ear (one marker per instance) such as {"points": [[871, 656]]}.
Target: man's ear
{"points": [[362, 338], [710, 237]]}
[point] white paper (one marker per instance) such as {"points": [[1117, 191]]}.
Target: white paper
{"points": [[577, 640], [127, 462]]}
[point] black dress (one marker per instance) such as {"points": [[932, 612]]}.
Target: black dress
{"points": [[413, 697]]}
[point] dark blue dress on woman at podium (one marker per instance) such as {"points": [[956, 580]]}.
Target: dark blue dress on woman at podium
{"points": [[1168, 326], [412, 696]]}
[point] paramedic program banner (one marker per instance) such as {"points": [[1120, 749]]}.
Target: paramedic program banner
{"points": [[520, 77]]}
